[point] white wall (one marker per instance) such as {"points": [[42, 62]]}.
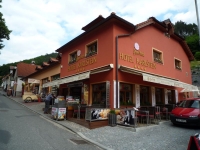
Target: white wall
{"points": [[19, 85]]}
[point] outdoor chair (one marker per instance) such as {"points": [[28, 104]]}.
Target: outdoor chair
{"points": [[157, 113], [75, 113], [152, 114]]}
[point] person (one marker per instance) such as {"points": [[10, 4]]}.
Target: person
{"points": [[48, 99]]}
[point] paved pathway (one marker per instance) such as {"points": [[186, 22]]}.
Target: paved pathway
{"points": [[164, 136]]}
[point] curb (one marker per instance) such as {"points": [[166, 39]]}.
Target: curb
{"points": [[91, 141]]}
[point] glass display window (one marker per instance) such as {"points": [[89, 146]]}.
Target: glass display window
{"points": [[159, 95], [144, 96], [99, 93], [126, 97]]}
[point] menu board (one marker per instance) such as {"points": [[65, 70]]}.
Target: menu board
{"points": [[58, 113]]}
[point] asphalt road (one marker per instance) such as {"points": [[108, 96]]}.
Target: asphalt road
{"points": [[22, 129]]}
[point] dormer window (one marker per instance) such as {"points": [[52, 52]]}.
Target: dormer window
{"points": [[157, 56], [91, 49], [72, 57], [178, 64]]}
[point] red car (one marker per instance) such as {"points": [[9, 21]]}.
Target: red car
{"points": [[186, 113]]}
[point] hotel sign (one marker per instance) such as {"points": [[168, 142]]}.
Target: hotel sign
{"points": [[33, 80]]}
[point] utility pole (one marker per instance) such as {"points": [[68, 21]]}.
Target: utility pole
{"points": [[196, 6]]}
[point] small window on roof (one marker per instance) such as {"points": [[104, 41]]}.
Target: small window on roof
{"points": [[91, 49], [177, 64], [72, 57], [157, 56]]}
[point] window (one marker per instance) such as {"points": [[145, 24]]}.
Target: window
{"points": [[55, 77], [177, 64], [91, 49], [144, 96], [99, 93], [157, 56], [72, 57], [126, 94], [159, 95]]}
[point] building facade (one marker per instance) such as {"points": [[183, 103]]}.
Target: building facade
{"points": [[115, 63]]}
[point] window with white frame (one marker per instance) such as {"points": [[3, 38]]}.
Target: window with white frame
{"points": [[177, 64], [72, 57], [91, 49], [157, 56]]}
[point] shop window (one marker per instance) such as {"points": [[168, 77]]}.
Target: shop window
{"points": [[91, 49], [126, 94], [144, 96], [159, 95], [99, 94], [171, 96], [55, 77], [157, 56], [45, 80], [72, 57], [177, 64]]}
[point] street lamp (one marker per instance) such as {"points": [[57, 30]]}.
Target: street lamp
{"points": [[197, 17]]}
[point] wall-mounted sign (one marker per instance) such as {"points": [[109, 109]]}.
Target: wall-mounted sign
{"points": [[136, 45], [33, 80]]}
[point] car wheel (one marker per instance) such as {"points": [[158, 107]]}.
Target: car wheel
{"points": [[28, 99]]}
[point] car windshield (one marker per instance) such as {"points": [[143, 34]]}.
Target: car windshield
{"points": [[189, 104]]}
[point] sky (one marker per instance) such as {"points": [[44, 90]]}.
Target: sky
{"points": [[40, 27]]}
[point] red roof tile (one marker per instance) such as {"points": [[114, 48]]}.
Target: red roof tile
{"points": [[24, 69]]}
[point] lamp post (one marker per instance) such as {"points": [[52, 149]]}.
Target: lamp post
{"points": [[197, 13]]}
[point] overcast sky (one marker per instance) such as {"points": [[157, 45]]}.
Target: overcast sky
{"points": [[42, 26]]}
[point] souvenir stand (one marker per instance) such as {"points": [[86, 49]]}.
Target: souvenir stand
{"points": [[70, 106], [59, 108]]}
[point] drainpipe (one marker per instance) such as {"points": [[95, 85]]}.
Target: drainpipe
{"points": [[116, 68]]}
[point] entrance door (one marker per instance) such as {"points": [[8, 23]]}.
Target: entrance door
{"points": [[75, 92]]}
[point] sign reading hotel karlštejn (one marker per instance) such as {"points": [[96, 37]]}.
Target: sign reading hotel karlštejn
{"points": [[80, 66], [138, 63]]}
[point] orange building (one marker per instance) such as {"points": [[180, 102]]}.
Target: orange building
{"points": [[115, 63]]}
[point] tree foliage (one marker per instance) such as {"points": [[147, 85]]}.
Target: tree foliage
{"points": [[190, 33], [4, 31], [185, 30]]}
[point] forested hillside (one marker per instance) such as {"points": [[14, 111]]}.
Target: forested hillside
{"points": [[4, 70]]}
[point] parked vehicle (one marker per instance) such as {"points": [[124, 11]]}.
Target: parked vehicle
{"points": [[29, 97], [186, 113]]}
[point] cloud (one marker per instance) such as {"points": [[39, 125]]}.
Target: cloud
{"points": [[40, 27]]}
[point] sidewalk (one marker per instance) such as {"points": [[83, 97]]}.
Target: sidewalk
{"points": [[104, 137]]}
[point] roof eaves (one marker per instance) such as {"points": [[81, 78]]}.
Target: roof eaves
{"points": [[95, 26]]}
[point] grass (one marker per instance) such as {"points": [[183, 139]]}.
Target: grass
{"points": [[194, 64]]}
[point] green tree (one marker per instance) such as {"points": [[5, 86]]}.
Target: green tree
{"points": [[183, 29], [4, 31], [193, 43], [197, 55]]}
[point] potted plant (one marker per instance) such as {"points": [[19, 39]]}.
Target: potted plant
{"points": [[112, 118]]}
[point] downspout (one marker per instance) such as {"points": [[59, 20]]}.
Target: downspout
{"points": [[116, 68]]}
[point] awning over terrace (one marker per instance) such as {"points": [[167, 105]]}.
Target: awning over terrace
{"points": [[160, 79], [78, 77]]}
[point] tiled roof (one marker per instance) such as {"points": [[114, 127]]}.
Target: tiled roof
{"points": [[45, 64], [38, 67], [52, 60], [24, 69]]}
